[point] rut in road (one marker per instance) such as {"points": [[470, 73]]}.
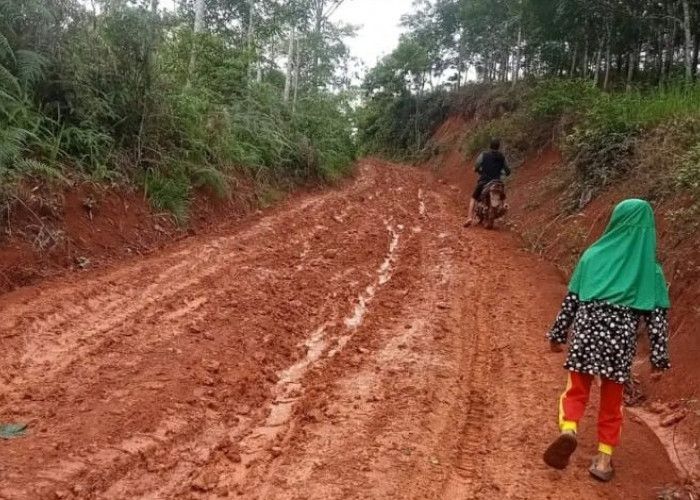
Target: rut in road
{"points": [[355, 344]]}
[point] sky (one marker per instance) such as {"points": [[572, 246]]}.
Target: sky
{"points": [[379, 26]]}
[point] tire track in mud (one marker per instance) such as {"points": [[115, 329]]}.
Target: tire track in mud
{"points": [[95, 314], [367, 416], [472, 406], [281, 421], [157, 328]]}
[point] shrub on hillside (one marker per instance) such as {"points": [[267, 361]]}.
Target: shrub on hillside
{"points": [[688, 175], [551, 99], [118, 95], [401, 127]]}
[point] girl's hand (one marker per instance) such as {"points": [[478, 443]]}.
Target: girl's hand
{"points": [[555, 346]]}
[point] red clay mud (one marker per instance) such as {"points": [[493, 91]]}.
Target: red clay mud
{"points": [[353, 344]]}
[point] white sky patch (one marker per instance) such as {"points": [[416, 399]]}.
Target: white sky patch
{"points": [[379, 26]]}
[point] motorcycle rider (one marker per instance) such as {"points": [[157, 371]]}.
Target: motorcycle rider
{"points": [[491, 165]]}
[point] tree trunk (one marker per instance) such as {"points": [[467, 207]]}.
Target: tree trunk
{"points": [[320, 4], [416, 130], [147, 81], [671, 49], [630, 70], [462, 59], [696, 55], [585, 61], [662, 59], [506, 57], [518, 56], [608, 61], [290, 64], [273, 46], [152, 52], [619, 62], [573, 62], [199, 10], [297, 69], [251, 39], [459, 69], [688, 49]]}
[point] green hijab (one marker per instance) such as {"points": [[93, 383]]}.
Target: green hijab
{"points": [[621, 267]]}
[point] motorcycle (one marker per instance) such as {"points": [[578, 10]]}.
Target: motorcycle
{"points": [[492, 205]]}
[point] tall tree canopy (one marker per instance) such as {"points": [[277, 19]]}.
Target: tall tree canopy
{"points": [[611, 42]]}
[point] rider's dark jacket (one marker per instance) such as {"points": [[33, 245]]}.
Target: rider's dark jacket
{"points": [[491, 165]]}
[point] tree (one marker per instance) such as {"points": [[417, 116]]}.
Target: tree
{"points": [[609, 42], [199, 13]]}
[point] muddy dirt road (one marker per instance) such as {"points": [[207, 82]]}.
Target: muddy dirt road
{"points": [[355, 344]]}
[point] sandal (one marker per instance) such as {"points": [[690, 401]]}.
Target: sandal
{"points": [[559, 452], [603, 477]]}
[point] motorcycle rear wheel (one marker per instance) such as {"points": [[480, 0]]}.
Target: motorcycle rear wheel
{"points": [[490, 218]]}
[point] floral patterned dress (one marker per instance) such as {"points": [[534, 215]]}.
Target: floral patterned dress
{"points": [[604, 340]]}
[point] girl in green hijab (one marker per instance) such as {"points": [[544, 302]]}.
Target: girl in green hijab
{"points": [[617, 283]]}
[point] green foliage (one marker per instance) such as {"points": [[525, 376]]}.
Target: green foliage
{"points": [[637, 110], [480, 138], [401, 127], [603, 144], [210, 179], [327, 132], [688, 175], [169, 193], [553, 98], [608, 44], [599, 157], [133, 95], [599, 132]]}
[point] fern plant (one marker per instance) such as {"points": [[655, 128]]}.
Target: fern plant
{"points": [[22, 134]]}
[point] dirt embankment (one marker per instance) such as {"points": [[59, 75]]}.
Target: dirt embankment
{"points": [[46, 231], [535, 196]]}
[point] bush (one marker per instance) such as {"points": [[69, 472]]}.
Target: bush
{"points": [[602, 146], [400, 128], [114, 97], [551, 99], [324, 121], [168, 193], [688, 175]]}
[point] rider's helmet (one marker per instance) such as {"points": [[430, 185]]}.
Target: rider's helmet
{"points": [[495, 144]]}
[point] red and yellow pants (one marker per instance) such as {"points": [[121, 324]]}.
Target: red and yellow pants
{"points": [[572, 406]]}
